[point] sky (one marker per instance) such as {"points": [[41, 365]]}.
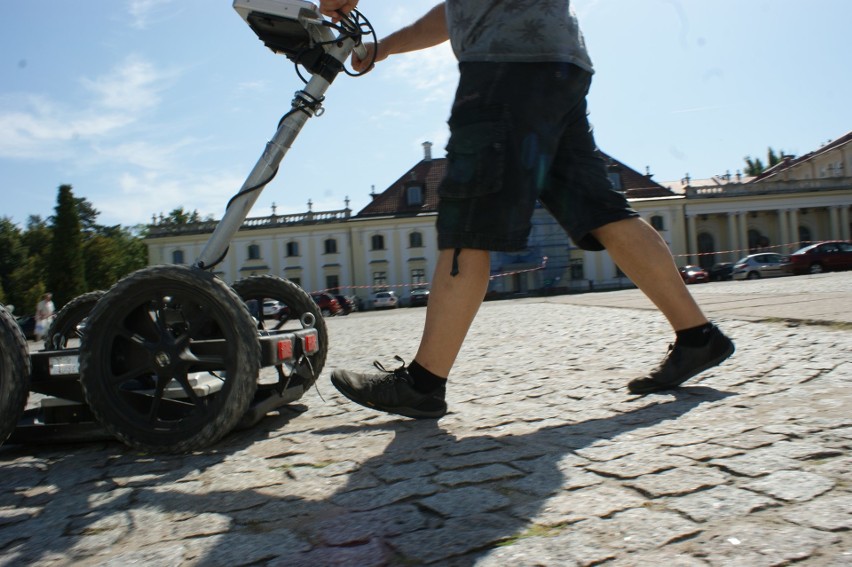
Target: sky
{"points": [[144, 106]]}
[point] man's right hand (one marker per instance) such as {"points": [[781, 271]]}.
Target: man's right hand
{"points": [[361, 65], [331, 7]]}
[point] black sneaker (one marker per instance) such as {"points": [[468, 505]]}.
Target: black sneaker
{"points": [[391, 391], [682, 363]]}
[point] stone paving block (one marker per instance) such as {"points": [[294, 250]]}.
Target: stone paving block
{"points": [[593, 502], [755, 464], [371, 554], [639, 529], [370, 499], [634, 466], [457, 537], [476, 475], [360, 527], [228, 550], [679, 481], [721, 502], [792, 486], [750, 543], [466, 501], [829, 513]]}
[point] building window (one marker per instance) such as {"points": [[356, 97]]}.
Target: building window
{"points": [[415, 240], [615, 179], [292, 249], [414, 195], [254, 252], [658, 223], [378, 242], [297, 281], [331, 246], [418, 276], [380, 280], [177, 257], [332, 283]]}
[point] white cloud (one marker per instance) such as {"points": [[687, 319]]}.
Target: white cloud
{"points": [[144, 12], [38, 127], [431, 72]]}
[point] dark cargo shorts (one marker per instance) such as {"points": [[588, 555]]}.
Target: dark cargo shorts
{"points": [[519, 133]]}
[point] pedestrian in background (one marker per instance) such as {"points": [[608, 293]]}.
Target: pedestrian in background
{"points": [[44, 315]]}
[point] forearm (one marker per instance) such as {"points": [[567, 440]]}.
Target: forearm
{"points": [[428, 31]]}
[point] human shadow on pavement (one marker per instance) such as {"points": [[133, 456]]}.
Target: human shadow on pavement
{"points": [[427, 497]]}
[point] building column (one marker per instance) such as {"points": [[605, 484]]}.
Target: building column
{"points": [[834, 222], [845, 231], [784, 229], [691, 239], [743, 232], [794, 230], [733, 241]]}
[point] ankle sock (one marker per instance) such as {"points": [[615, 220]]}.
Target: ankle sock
{"points": [[424, 381], [696, 336]]}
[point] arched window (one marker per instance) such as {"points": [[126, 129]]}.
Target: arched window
{"points": [[415, 240], [378, 242], [253, 252], [292, 249], [331, 246], [658, 223], [177, 257]]}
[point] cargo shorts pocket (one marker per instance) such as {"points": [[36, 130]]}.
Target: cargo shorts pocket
{"points": [[476, 156]]}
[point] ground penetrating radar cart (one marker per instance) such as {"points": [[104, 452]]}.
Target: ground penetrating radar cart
{"points": [[171, 358]]}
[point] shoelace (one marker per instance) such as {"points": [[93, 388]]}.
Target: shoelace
{"points": [[397, 373]]}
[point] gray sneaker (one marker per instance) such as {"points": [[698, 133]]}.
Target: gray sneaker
{"points": [[682, 363], [391, 391]]}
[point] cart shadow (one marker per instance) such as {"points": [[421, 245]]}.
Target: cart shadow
{"points": [[427, 497]]}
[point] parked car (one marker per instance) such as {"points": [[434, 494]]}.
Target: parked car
{"points": [[273, 309], [347, 304], [765, 265], [327, 303], [27, 325], [826, 256], [694, 274], [385, 300], [418, 297], [723, 271]]}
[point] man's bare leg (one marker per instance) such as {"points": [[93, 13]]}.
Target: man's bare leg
{"points": [[643, 256], [453, 304]]}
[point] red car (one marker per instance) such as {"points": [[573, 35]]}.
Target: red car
{"points": [[694, 274], [327, 303], [822, 257]]}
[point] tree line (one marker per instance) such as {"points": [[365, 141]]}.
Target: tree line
{"points": [[69, 253]]}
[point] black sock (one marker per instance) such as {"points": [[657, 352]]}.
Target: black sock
{"points": [[424, 381], [696, 336]]}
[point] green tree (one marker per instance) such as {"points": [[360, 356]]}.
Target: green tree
{"points": [[181, 216], [754, 166], [12, 254], [66, 277], [27, 286]]}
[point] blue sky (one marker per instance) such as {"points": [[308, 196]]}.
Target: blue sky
{"points": [[147, 105]]}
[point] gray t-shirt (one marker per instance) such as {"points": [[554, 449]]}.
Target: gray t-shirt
{"points": [[516, 31]]}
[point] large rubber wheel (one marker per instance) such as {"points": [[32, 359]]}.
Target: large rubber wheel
{"points": [[148, 369], [301, 312], [69, 325], [14, 373], [816, 268]]}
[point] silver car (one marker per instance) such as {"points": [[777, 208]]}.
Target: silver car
{"points": [[765, 265]]}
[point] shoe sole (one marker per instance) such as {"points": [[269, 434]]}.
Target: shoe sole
{"points": [[403, 411], [659, 387]]}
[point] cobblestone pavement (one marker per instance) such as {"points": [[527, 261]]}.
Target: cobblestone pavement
{"points": [[545, 459]]}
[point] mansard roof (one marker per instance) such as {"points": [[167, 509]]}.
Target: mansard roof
{"points": [[428, 173]]}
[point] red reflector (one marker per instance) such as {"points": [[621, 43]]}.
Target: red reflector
{"points": [[285, 350], [311, 343]]}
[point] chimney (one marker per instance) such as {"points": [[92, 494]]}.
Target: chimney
{"points": [[427, 151]]}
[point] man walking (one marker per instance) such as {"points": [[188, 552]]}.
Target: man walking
{"points": [[519, 134]]}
